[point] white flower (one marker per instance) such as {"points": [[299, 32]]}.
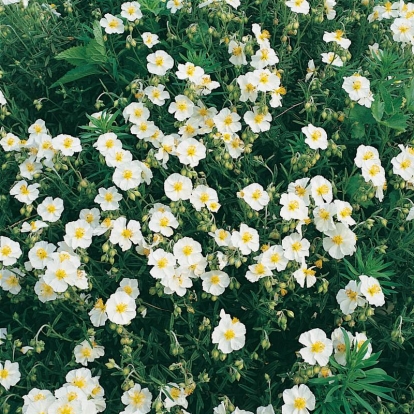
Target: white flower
{"points": [[112, 24], [305, 275], [298, 6], [44, 292], [10, 251], [190, 71], [67, 144], [39, 254], [329, 9], [215, 282], [255, 196], [293, 207], [257, 271], [156, 94], [337, 37], [274, 258], [177, 282], [366, 154], [371, 289], [237, 53], [402, 30], [340, 242], [374, 172], [97, 314], [203, 196], [2, 99], [78, 234], [131, 10], [121, 308], [230, 334], [357, 86], [350, 297], [175, 5], [10, 142], [318, 348], [125, 234], [295, 247], [108, 199], [257, 120], [246, 240], [164, 263], [25, 193], [190, 152], [182, 108], [265, 56], [9, 374], [107, 143], [149, 39], [135, 112], [187, 251], [298, 400], [178, 187], [339, 346], [137, 399], [10, 280], [321, 190], [163, 222], [331, 58], [343, 212], [176, 396], [310, 70], [323, 217], [59, 275], [248, 87], [266, 81], [129, 286], [316, 137], [159, 63], [359, 340], [88, 351], [227, 121], [128, 176]]}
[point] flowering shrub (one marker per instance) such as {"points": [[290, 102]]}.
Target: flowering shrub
{"points": [[206, 207]]}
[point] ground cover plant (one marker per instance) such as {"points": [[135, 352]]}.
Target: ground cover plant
{"points": [[206, 206]]}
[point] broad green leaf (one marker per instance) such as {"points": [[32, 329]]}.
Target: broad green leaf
{"points": [[377, 109], [97, 33], [75, 55], [76, 74], [397, 121], [95, 52]]}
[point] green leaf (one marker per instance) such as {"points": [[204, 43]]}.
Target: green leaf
{"points": [[96, 52], [397, 121], [97, 33], [378, 109], [153, 6], [76, 74], [363, 402], [75, 55]]}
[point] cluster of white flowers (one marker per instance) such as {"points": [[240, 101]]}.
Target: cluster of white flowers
{"points": [[402, 16], [318, 348], [367, 158], [120, 308], [358, 294], [80, 394]]}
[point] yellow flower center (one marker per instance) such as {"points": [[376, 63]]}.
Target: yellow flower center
{"points": [[79, 232], [296, 246], [322, 190], [338, 239], [317, 347], [162, 263], [215, 279], [373, 290], [164, 222], [60, 274], [324, 214], [299, 402], [246, 237], [121, 307], [41, 253], [127, 233], [293, 205], [175, 393], [6, 251], [229, 334], [237, 51], [191, 151], [127, 289], [127, 174], [187, 250], [351, 294], [108, 197], [316, 135], [137, 398]]}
